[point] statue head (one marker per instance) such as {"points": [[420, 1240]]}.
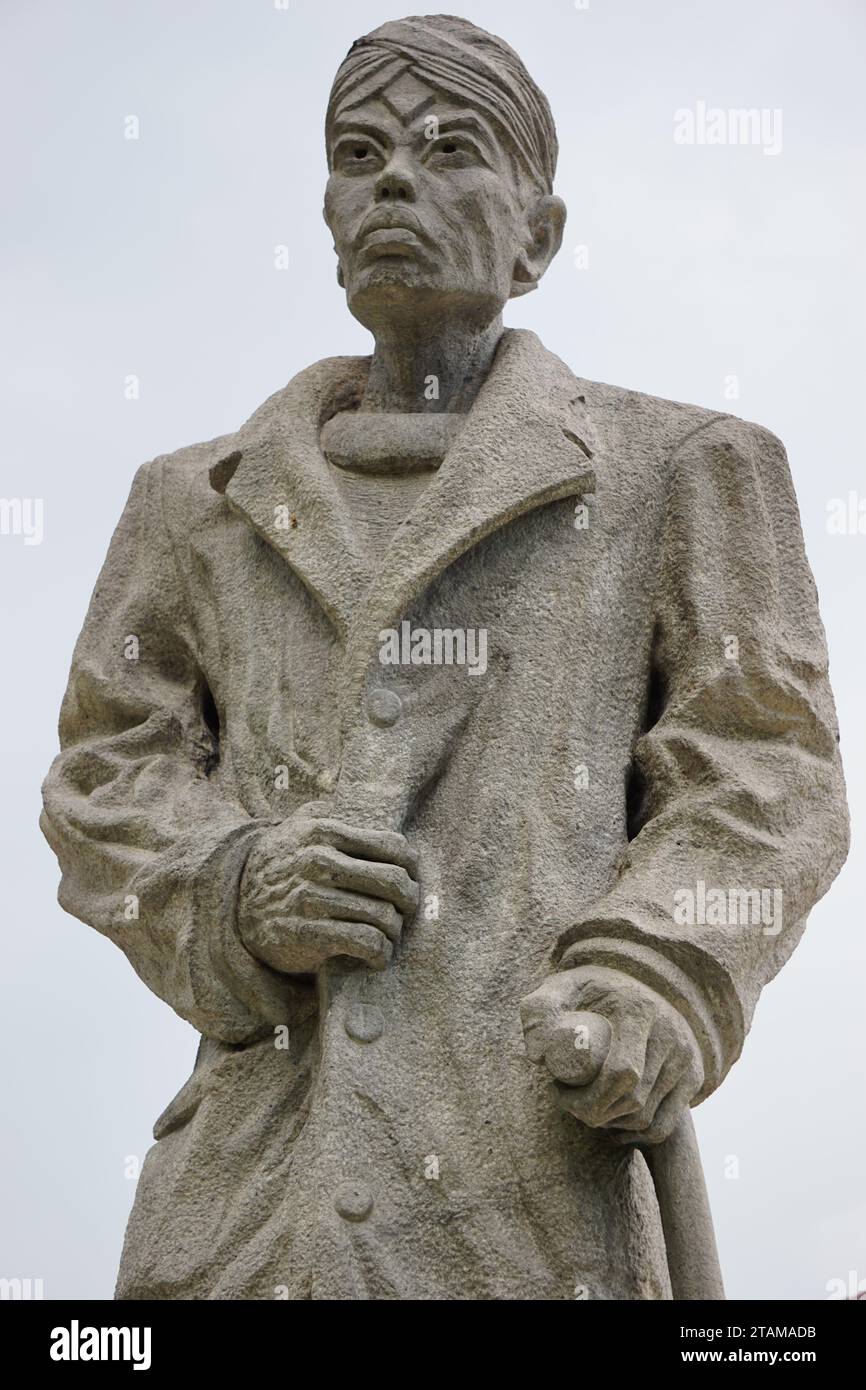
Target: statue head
{"points": [[441, 156]]}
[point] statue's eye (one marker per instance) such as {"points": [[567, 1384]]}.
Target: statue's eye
{"points": [[361, 151], [454, 151]]}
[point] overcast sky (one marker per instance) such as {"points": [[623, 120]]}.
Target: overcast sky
{"points": [[729, 275]]}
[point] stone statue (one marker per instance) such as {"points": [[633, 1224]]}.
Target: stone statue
{"points": [[451, 686]]}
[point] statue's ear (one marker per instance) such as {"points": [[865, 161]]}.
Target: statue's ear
{"points": [[546, 223]]}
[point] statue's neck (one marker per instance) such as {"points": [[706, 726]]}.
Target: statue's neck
{"points": [[430, 368]]}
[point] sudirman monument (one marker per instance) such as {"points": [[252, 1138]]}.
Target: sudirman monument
{"points": [[453, 748]]}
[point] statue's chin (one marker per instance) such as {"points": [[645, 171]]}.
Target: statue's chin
{"points": [[401, 296]]}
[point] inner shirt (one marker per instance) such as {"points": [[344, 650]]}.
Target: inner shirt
{"points": [[382, 465]]}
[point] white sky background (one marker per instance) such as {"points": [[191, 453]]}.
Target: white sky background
{"points": [[156, 257]]}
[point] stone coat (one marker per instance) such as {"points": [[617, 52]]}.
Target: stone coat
{"points": [[618, 750]]}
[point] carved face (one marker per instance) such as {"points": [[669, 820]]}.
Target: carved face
{"points": [[426, 208]]}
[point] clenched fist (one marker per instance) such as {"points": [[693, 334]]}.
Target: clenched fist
{"points": [[653, 1068], [314, 887]]}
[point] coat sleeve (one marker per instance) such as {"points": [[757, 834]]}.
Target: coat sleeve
{"points": [[739, 772], [150, 849]]}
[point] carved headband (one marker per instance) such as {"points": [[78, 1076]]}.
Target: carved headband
{"points": [[455, 57]]}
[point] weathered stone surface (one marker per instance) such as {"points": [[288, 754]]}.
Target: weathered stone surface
{"points": [[346, 795]]}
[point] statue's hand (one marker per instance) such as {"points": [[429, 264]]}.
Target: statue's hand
{"points": [[314, 887], [653, 1067]]}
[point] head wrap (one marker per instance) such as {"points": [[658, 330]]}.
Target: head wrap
{"points": [[456, 57]]}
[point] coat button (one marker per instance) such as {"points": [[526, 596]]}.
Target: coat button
{"points": [[364, 1022], [353, 1201], [384, 707]]}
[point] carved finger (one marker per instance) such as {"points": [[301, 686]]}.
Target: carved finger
{"points": [[389, 881], [668, 1113], [642, 1116], [379, 846], [541, 1010], [318, 901], [300, 946], [621, 1074], [658, 1054]]}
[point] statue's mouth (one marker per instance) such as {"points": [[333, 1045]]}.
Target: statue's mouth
{"points": [[390, 227], [390, 241]]}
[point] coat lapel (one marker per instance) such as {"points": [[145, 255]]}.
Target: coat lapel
{"points": [[277, 477], [527, 440]]}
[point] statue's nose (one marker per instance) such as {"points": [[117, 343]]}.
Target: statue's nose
{"points": [[396, 181]]}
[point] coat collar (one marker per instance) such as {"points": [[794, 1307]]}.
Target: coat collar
{"points": [[527, 440]]}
